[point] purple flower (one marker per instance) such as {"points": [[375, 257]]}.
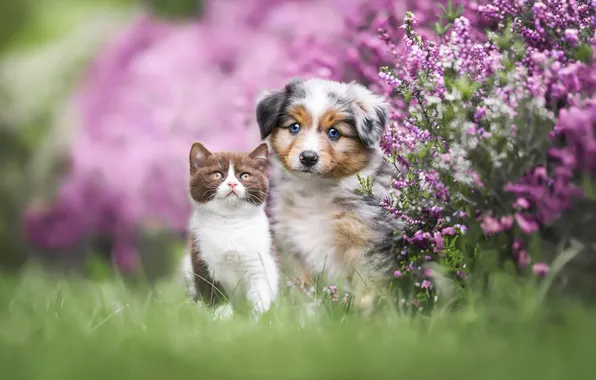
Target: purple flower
{"points": [[480, 111], [571, 36]]}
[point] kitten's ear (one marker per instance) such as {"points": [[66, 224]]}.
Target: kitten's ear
{"points": [[198, 153], [261, 154]]}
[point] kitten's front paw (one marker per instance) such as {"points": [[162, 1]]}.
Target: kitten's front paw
{"points": [[223, 312], [261, 306], [261, 297]]}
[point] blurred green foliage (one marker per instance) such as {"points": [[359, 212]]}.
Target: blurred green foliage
{"points": [[13, 150], [177, 8], [27, 25], [34, 34], [24, 22], [13, 156], [78, 329], [13, 14]]}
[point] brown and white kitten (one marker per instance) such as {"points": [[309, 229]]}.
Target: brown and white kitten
{"points": [[230, 251]]}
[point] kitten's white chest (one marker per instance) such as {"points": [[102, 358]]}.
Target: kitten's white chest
{"points": [[230, 244]]}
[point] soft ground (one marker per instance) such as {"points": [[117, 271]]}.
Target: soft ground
{"points": [[67, 328]]}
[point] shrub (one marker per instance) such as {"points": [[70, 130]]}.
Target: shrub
{"points": [[497, 134]]}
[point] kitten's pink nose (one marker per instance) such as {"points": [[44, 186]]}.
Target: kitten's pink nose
{"points": [[232, 184]]}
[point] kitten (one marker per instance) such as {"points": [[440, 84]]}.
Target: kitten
{"points": [[230, 251]]}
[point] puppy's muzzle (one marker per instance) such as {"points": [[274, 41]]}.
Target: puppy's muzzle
{"points": [[309, 158]]}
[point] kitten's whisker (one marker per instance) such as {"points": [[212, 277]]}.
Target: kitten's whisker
{"points": [[251, 198]]}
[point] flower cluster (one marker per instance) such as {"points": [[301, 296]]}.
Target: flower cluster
{"points": [[419, 148], [486, 139], [559, 36]]}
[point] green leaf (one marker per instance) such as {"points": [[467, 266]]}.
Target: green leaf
{"points": [[466, 87], [366, 183], [440, 29], [177, 8], [407, 94], [583, 53]]}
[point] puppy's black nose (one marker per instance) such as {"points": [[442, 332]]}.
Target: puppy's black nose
{"points": [[309, 158]]}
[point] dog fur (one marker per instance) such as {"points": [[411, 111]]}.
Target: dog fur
{"points": [[317, 216]]}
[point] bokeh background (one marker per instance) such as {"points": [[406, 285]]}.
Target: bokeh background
{"points": [[100, 101]]}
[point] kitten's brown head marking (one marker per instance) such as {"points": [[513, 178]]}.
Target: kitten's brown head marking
{"points": [[228, 178]]}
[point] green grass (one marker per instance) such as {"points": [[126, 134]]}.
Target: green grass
{"points": [[68, 328]]}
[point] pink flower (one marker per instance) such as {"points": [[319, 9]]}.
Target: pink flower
{"points": [[520, 253], [526, 223], [448, 231], [476, 178], [507, 222], [540, 269], [521, 203], [439, 241], [125, 256], [472, 130], [490, 225]]}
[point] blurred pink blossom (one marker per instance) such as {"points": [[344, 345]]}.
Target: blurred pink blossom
{"points": [[162, 85], [540, 269]]}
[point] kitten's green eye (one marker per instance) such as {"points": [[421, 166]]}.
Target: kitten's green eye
{"points": [[244, 176], [217, 175]]}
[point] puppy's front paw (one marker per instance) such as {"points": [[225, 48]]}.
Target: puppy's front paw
{"points": [[365, 302], [261, 295]]}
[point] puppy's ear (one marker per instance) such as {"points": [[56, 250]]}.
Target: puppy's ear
{"points": [[371, 114], [269, 105], [198, 153], [261, 155]]}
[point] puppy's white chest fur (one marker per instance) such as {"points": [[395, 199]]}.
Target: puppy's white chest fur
{"points": [[303, 214]]}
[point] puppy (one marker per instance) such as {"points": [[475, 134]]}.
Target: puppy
{"points": [[322, 135]]}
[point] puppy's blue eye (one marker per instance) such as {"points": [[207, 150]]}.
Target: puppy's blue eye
{"points": [[294, 128], [333, 133]]}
